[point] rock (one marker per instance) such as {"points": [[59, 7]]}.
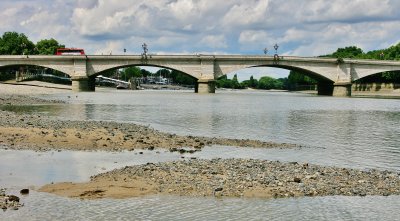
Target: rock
{"points": [[2, 192], [24, 191], [218, 189], [13, 198], [297, 180]]}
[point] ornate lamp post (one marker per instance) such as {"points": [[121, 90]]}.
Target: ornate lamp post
{"points": [[144, 54], [276, 56], [276, 46], [265, 51], [23, 45], [145, 49]]}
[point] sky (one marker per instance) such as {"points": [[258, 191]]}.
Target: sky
{"points": [[300, 28]]}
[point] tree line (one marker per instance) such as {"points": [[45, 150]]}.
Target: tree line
{"points": [[13, 43], [264, 82]]}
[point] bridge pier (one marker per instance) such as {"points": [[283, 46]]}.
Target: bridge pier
{"points": [[82, 84], [325, 88], [342, 89], [334, 89], [205, 86]]}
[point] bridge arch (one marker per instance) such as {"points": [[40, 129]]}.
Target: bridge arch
{"points": [[318, 77], [323, 71], [325, 85], [30, 71], [98, 65], [368, 73], [178, 77], [139, 65], [30, 64]]}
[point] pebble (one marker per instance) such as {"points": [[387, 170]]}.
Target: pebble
{"points": [[9, 201], [234, 177], [24, 191]]}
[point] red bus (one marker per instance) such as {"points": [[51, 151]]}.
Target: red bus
{"points": [[70, 51]]}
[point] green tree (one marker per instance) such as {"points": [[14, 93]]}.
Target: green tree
{"points": [[283, 83], [347, 52], [13, 43], [235, 83], [268, 83], [182, 78], [253, 82], [163, 73], [48, 46], [296, 77], [145, 73], [224, 82], [130, 72]]}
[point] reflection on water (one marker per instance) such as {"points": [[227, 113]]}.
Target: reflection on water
{"points": [[347, 131], [41, 206], [19, 169]]}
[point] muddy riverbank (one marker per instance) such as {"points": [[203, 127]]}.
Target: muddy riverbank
{"points": [[36, 132], [231, 178], [21, 131]]}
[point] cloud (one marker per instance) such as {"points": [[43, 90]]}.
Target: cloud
{"points": [[247, 13], [214, 41]]}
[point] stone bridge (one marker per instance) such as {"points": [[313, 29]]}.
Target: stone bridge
{"points": [[334, 76]]}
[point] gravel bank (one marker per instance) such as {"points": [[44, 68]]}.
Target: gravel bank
{"points": [[232, 178], [43, 133]]}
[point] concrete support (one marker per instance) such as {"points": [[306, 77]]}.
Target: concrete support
{"points": [[92, 83], [325, 88], [341, 90], [205, 86], [18, 76], [82, 83]]}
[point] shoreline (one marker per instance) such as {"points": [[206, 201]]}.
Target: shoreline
{"points": [[193, 177], [42, 133]]}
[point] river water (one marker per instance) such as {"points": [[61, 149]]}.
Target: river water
{"points": [[346, 132]]}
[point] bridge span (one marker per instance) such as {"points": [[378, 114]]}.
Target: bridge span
{"points": [[334, 76]]}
